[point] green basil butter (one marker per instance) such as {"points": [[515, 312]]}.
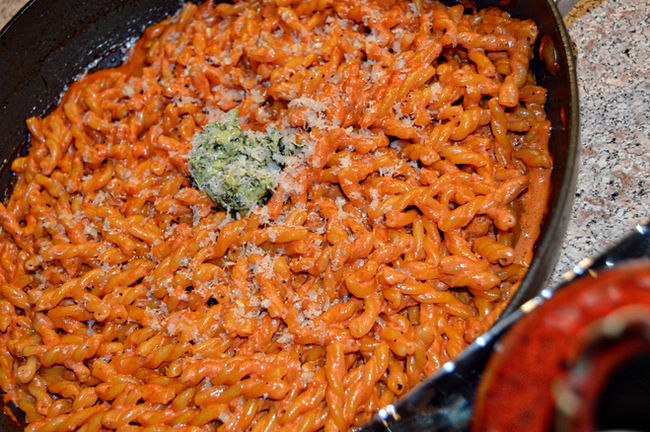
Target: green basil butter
{"points": [[238, 169]]}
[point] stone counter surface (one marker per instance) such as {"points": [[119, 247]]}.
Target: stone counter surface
{"points": [[612, 194]]}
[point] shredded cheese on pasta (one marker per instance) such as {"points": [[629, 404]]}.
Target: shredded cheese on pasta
{"points": [[127, 302]]}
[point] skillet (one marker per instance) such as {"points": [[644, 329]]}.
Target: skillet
{"points": [[48, 44]]}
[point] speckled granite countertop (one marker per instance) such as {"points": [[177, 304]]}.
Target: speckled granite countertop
{"points": [[613, 190], [612, 196]]}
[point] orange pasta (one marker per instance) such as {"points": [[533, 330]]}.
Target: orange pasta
{"points": [[130, 302]]}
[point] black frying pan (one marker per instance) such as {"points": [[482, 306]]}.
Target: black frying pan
{"points": [[50, 42]]}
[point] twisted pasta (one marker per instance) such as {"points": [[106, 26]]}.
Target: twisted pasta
{"points": [[128, 302]]}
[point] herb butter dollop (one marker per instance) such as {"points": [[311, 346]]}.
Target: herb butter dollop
{"points": [[238, 169]]}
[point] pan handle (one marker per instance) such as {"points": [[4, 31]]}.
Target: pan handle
{"points": [[564, 6]]}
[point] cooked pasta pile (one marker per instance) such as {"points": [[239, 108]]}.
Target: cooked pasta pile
{"points": [[396, 237]]}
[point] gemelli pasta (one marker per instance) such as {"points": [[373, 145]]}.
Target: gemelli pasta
{"points": [[129, 301]]}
